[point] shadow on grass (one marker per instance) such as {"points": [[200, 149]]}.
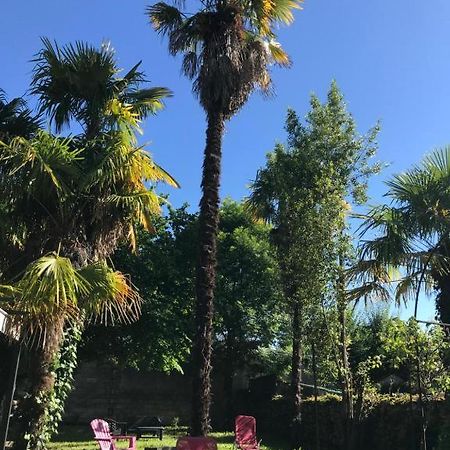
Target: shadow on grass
{"points": [[274, 442], [82, 433], [73, 433], [223, 438]]}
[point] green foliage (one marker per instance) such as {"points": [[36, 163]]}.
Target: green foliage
{"points": [[422, 351], [249, 312], [16, 119], [304, 191], [67, 203], [63, 369], [163, 271], [248, 315], [81, 82]]}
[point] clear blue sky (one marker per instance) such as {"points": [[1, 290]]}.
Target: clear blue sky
{"points": [[390, 58]]}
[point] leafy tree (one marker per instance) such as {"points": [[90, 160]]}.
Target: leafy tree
{"points": [[249, 313], [303, 191], [407, 344], [69, 202], [227, 48], [162, 270]]}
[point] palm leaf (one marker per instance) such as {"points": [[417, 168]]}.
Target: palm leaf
{"points": [[111, 297], [164, 18]]}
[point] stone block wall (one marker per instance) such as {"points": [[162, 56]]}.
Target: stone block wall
{"points": [[126, 395]]}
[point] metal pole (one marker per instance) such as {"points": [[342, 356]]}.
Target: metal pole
{"points": [[9, 396]]}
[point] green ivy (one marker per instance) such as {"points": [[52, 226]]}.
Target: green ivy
{"points": [[63, 369]]}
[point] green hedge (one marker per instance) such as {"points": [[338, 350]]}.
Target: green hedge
{"points": [[389, 422]]}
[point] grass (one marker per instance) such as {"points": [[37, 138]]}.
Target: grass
{"points": [[80, 438]]}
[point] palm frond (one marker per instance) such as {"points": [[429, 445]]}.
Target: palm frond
{"points": [[16, 119], [371, 291], [44, 164], [111, 297], [164, 18], [48, 292], [278, 55], [147, 101], [142, 206]]}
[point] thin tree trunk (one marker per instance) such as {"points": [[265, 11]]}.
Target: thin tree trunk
{"points": [[346, 382], [316, 395], [296, 376], [423, 416], [206, 275], [228, 375]]}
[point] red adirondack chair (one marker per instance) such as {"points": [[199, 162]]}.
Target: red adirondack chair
{"points": [[196, 443], [104, 438], [245, 433]]}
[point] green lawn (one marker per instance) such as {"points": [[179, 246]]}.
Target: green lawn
{"points": [[80, 438]]}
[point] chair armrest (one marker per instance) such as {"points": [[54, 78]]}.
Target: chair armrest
{"points": [[132, 439]]}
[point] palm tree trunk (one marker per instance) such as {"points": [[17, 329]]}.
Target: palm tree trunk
{"points": [[33, 410], [206, 275], [296, 376]]}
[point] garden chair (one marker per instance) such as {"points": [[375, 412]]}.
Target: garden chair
{"points": [[105, 440], [245, 433], [196, 443]]}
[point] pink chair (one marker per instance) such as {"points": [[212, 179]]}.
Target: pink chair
{"points": [[245, 433], [104, 438], [196, 443]]}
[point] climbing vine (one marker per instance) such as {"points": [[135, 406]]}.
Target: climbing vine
{"points": [[63, 369]]}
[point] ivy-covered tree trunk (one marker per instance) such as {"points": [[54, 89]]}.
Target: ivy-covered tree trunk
{"points": [[33, 420], [206, 275], [296, 375]]}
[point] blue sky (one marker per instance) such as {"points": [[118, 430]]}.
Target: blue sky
{"points": [[390, 58]]}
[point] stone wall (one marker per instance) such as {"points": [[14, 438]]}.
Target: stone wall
{"points": [[126, 395]]}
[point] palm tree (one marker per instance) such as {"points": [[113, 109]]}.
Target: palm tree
{"points": [[16, 119], [74, 199], [82, 83], [227, 47], [411, 246], [51, 296]]}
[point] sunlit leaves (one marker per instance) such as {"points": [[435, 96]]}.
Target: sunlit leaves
{"points": [[82, 83], [53, 289], [112, 298]]}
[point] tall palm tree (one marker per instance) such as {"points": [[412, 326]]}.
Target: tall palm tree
{"points": [[74, 199], [412, 235], [227, 47]]}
